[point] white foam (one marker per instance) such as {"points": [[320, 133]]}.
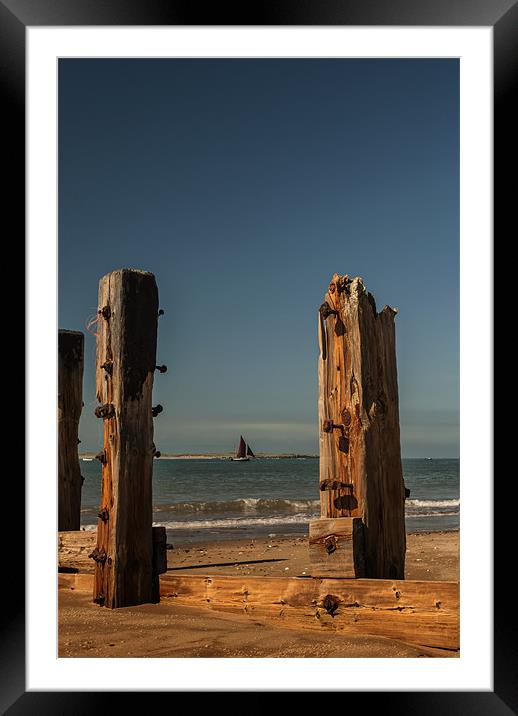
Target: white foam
{"points": [[245, 522], [433, 503]]}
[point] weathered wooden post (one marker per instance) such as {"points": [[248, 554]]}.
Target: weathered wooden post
{"points": [[126, 567], [361, 532], [70, 402]]}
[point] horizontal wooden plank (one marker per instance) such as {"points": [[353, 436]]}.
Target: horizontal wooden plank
{"points": [[418, 612], [79, 582], [74, 548], [321, 528], [424, 613]]}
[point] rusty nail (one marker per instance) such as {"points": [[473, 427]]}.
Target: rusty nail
{"points": [[161, 368], [335, 485], [328, 426], [156, 410], [105, 411], [330, 604], [325, 310], [161, 312], [105, 312], [98, 555], [103, 514], [330, 544], [108, 367]]}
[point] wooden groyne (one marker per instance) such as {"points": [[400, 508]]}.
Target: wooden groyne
{"points": [[125, 571], [417, 612], [70, 404], [361, 532]]}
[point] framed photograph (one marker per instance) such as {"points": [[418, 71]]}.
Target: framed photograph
{"points": [[99, 87]]}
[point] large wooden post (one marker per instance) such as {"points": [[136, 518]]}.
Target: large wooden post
{"points": [[70, 402], [126, 357], [361, 532]]}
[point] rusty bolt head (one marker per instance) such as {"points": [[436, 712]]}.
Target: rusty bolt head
{"points": [[103, 514], [325, 310], [330, 544], [330, 604], [108, 367]]}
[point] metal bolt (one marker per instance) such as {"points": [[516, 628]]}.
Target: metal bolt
{"points": [[105, 411], [98, 556], [330, 544], [335, 485], [330, 604], [328, 426], [325, 310], [103, 514], [108, 367]]}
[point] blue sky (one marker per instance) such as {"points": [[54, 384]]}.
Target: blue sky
{"points": [[243, 185]]}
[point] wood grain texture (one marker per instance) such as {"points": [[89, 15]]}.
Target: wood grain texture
{"points": [[126, 358], [70, 403], [336, 547], [358, 394], [424, 613], [75, 548], [417, 612]]}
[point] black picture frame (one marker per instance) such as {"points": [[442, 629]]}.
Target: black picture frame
{"points": [[502, 16]]}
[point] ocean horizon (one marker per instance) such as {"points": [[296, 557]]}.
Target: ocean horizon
{"points": [[200, 498]]}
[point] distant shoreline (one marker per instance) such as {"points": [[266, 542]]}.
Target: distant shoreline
{"points": [[263, 455], [219, 456]]}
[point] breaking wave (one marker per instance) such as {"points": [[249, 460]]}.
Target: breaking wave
{"points": [[243, 505], [229, 522]]}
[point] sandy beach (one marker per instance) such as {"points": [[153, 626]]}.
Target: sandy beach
{"points": [[172, 630]]}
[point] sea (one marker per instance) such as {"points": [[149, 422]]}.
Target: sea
{"points": [[210, 499]]}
